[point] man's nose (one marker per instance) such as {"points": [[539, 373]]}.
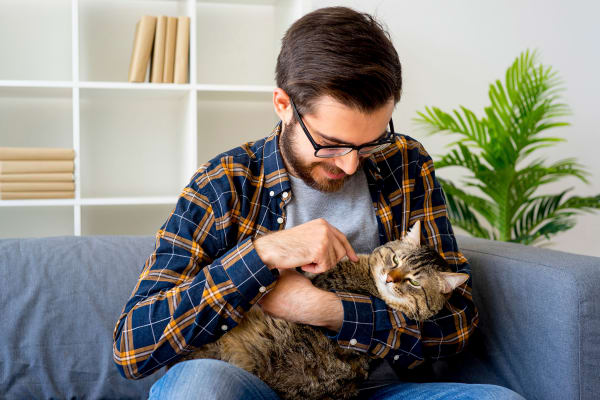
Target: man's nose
{"points": [[348, 162]]}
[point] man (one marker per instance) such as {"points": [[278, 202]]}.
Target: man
{"points": [[330, 181]]}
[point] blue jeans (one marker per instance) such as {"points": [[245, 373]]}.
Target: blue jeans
{"points": [[212, 379]]}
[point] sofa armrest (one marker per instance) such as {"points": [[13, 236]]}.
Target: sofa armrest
{"points": [[539, 330]]}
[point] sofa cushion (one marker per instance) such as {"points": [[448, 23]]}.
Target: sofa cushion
{"points": [[61, 297]]}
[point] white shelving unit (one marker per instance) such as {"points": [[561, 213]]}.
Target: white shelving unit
{"points": [[63, 83]]}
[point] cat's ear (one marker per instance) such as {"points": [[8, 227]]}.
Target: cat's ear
{"points": [[414, 234], [452, 280]]}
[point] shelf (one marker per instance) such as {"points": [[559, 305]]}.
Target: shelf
{"points": [[35, 84], [138, 86], [235, 88], [93, 201], [134, 86], [113, 201], [37, 202]]}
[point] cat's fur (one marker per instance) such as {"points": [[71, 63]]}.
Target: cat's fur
{"points": [[299, 361]]}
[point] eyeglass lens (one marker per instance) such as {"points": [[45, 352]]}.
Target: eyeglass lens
{"points": [[340, 151]]}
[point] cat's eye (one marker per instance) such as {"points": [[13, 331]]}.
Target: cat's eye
{"points": [[395, 259], [413, 282]]}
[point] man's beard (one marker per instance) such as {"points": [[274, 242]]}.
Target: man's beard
{"points": [[305, 170]]}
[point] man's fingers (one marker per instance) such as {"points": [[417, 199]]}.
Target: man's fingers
{"points": [[340, 250], [334, 251], [333, 256], [344, 241], [309, 268], [325, 258]]}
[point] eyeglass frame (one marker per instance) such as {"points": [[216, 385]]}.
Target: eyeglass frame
{"points": [[389, 139]]}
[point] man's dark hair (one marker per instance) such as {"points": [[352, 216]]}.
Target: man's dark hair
{"points": [[342, 53]]}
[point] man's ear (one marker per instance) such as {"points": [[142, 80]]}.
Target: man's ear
{"points": [[281, 104]]}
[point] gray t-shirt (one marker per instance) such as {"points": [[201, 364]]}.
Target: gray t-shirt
{"points": [[351, 211]]}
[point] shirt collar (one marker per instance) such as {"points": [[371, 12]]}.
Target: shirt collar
{"points": [[372, 168]]}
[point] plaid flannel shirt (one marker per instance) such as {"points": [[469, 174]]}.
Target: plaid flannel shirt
{"points": [[204, 272]]}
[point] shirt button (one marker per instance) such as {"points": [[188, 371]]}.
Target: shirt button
{"points": [[280, 220], [352, 342], [271, 193], [224, 327], [396, 357], [285, 195], [262, 289]]}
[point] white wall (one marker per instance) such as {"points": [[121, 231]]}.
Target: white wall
{"points": [[452, 50]]}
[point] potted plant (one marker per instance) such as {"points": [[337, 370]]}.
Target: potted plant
{"points": [[494, 148]]}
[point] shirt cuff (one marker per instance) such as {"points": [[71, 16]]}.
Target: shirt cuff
{"points": [[249, 274], [356, 332]]}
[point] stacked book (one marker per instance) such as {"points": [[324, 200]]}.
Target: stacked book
{"points": [[163, 43], [36, 173]]}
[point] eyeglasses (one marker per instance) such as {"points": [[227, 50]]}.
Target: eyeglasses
{"points": [[340, 150]]}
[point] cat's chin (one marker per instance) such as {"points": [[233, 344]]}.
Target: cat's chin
{"points": [[380, 278], [399, 304]]}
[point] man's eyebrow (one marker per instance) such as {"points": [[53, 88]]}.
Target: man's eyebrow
{"points": [[338, 141]]}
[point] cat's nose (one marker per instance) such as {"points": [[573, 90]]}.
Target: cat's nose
{"points": [[395, 275]]}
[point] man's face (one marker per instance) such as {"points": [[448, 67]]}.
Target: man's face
{"points": [[332, 123]]}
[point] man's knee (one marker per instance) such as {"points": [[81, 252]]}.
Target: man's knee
{"points": [[207, 379], [490, 392], [446, 390]]}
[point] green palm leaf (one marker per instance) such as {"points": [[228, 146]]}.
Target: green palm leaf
{"points": [[461, 214], [493, 148]]}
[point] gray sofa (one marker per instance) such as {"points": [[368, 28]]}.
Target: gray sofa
{"points": [[61, 296]]}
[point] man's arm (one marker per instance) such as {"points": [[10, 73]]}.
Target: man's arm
{"points": [[185, 297], [296, 299]]}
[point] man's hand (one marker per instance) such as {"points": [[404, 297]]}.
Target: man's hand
{"points": [[296, 299], [316, 246]]}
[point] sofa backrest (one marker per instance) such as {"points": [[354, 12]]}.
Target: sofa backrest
{"points": [[60, 300]]}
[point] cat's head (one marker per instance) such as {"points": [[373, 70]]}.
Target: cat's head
{"points": [[411, 277]]}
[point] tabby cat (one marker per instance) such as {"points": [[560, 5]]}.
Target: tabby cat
{"points": [[299, 361]]}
